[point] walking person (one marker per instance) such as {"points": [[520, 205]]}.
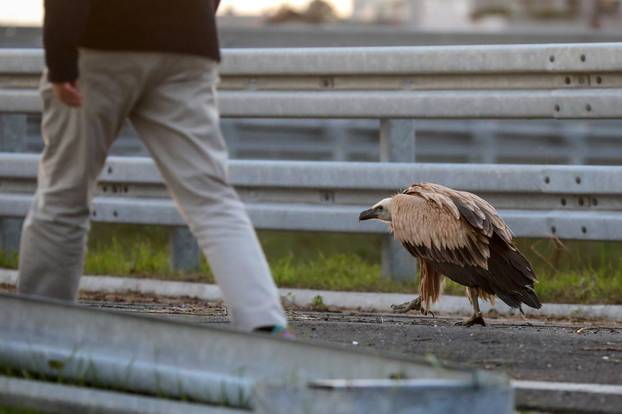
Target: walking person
{"points": [[154, 62]]}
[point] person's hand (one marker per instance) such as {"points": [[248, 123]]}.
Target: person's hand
{"points": [[68, 93]]}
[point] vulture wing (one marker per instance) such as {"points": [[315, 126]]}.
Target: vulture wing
{"points": [[430, 226], [462, 236], [476, 211]]}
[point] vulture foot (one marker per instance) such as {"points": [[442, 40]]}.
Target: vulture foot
{"points": [[412, 305], [526, 320], [474, 320]]}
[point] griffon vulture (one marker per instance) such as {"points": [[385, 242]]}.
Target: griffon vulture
{"points": [[459, 235]]}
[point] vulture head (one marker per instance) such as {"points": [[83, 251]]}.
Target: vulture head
{"points": [[380, 211]]}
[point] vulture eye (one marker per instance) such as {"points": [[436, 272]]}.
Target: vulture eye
{"points": [[379, 208]]}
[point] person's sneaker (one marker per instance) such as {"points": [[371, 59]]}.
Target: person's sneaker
{"points": [[276, 330]]}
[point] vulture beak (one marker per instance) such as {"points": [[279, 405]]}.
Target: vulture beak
{"points": [[367, 214]]}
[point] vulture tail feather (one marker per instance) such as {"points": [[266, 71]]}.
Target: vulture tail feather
{"points": [[511, 284]]}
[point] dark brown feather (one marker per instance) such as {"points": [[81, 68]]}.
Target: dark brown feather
{"points": [[512, 284]]}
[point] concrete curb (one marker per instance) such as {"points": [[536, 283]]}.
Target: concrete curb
{"points": [[304, 297]]}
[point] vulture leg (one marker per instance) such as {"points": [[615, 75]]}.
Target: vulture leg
{"points": [[477, 315], [412, 305]]}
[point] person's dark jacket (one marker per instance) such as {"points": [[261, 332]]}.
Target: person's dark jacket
{"points": [[175, 26]]}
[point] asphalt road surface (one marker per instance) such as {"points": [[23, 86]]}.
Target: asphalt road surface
{"points": [[566, 351]]}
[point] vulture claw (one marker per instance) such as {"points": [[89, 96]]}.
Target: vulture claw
{"points": [[425, 312], [407, 306], [525, 319], [474, 320], [412, 305]]}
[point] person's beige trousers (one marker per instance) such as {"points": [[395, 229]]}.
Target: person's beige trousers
{"points": [[171, 102]]}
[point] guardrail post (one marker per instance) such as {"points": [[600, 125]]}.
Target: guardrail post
{"points": [[576, 138], [13, 132], [486, 142], [397, 144], [337, 133], [231, 132], [185, 251], [12, 139]]}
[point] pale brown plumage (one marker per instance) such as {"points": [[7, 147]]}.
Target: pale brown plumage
{"points": [[459, 235]]}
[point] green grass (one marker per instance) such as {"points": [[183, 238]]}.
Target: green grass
{"points": [[575, 272], [301, 260], [10, 410], [8, 260], [335, 272], [119, 257]]}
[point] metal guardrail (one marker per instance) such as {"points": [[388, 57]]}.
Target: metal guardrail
{"points": [[569, 202], [49, 397], [172, 360], [474, 141], [394, 84], [471, 141], [343, 34], [509, 81]]}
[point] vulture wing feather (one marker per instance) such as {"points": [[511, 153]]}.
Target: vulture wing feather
{"points": [[430, 227], [463, 237]]}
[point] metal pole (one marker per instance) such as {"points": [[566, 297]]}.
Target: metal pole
{"points": [[185, 251], [10, 234], [231, 131], [337, 134], [12, 139], [13, 132], [486, 141], [576, 138], [397, 144]]}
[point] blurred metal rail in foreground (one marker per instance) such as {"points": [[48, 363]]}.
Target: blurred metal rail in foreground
{"points": [[177, 362]]}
